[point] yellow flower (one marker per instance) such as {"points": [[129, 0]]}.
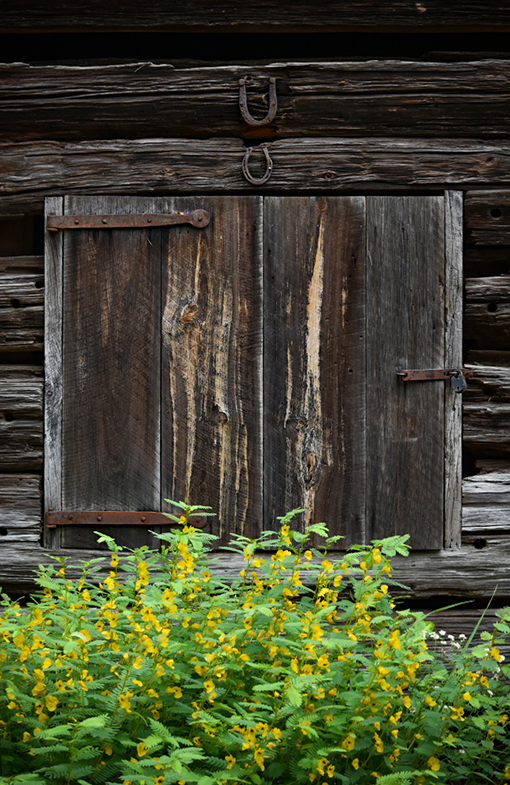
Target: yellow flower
{"points": [[108, 750], [433, 763], [51, 702], [137, 663], [407, 702], [320, 767], [495, 654], [355, 763], [349, 742], [429, 701], [26, 736], [124, 701], [467, 696], [141, 749]]}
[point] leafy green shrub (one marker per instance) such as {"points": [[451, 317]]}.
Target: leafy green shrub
{"points": [[300, 671]]}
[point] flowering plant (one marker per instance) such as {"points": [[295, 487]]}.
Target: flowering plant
{"points": [[301, 671]]}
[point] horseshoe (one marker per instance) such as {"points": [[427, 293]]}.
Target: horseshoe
{"points": [[269, 167], [243, 104]]}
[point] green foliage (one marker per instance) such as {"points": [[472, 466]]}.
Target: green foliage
{"points": [[146, 669]]}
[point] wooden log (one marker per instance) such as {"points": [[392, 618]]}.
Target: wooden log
{"points": [[20, 509], [21, 328], [489, 237], [487, 325], [256, 16], [21, 281], [465, 572], [486, 504], [487, 384], [31, 171], [487, 428], [489, 210], [488, 289], [21, 422], [374, 98]]}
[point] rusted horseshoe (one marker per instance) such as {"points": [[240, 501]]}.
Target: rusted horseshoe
{"points": [[243, 104], [269, 167]]}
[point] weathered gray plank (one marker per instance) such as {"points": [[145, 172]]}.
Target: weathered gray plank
{"points": [[405, 301], [21, 426], [486, 503], [212, 362], [453, 359], [494, 288], [256, 16], [53, 367], [21, 281], [487, 383], [31, 171], [489, 357], [374, 98], [486, 428], [111, 362], [314, 360], [20, 509]]}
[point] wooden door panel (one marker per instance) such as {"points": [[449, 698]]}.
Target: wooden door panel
{"points": [[406, 329], [211, 360], [314, 360], [111, 357]]}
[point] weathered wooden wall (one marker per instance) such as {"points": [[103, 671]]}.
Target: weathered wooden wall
{"points": [[340, 128]]}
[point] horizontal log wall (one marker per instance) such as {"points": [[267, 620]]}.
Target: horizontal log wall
{"points": [[256, 15], [346, 99]]}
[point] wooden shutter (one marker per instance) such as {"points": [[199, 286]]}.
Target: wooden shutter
{"points": [[357, 289], [252, 365], [153, 365]]}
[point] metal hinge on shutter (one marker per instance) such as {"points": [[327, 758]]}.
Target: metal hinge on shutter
{"points": [[197, 218], [54, 518]]}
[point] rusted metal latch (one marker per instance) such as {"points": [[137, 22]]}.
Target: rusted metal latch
{"points": [[54, 518], [457, 376], [198, 218]]}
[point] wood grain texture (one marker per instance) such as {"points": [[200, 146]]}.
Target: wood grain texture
{"points": [[314, 360], [20, 509], [255, 16], [21, 281], [31, 171], [370, 99], [405, 422], [488, 383], [212, 362], [489, 210], [453, 210], [494, 288], [21, 421], [111, 365], [486, 503], [486, 428], [53, 367]]}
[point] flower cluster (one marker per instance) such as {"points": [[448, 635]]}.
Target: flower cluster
{"points": [[156, 671]]}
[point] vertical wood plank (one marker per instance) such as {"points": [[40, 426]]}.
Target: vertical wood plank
{"points": [[453, 359], [314, 361], [212, 348], [53, 371], [112, 348], [405, 306]]}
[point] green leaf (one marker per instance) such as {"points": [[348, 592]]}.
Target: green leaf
{"points": [[294, 696]]}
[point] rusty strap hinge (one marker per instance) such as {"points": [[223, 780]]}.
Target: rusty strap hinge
{"points": [[197, 218], [457, 376], [54, 518]]}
